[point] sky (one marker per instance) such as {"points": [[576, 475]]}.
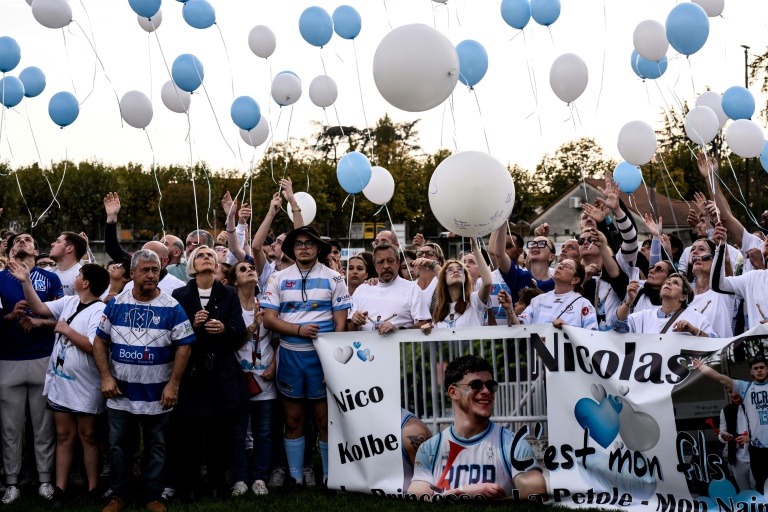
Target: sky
{"points": [[520, 126]]}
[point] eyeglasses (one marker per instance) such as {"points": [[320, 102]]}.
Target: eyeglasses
{"points": [[477, 385], [566, 266], [530, 244], [453, 270], [510, 245], [426, 254], [307, 243], [46, 264], [658, 268], [703, 257], [377, 243]]}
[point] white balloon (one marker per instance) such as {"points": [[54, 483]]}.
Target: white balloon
{"points": [[29, 2], [52, 13], [650, 40], [713, 100], [713, 8], [175, 99], [471, 193], [150, 25], [701, 125], [258, 135], [415, 68], [637, 142], [381, 188], [286, 89], [568, 77], [262, 41], [136, 109], [745, 138], [323, 91], [308, 207]]}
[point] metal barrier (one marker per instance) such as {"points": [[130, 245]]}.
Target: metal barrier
{"points": [[521, 398]]}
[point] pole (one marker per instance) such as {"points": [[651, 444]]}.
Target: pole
{"points": [[746, 160]]}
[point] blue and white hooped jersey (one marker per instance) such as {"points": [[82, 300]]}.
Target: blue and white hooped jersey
{"points": [[755, 398], [311, 299], [486, 458], [498, 284], [407, 467]]}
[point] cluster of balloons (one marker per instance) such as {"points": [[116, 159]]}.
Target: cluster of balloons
{"points": [[317, 26], [517, 13], [197, 13], [355, 174]]}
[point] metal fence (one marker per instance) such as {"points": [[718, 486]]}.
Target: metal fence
{"points": [[521, 398]]}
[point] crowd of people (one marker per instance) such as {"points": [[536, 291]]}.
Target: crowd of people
{"points": [[204, 346]]}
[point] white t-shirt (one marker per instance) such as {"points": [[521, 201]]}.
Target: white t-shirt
{"points": [[428, 292], [166, 284], [649, 321], [72, 379], [752, 287], [748, 242], [399, 296], [571, 307], [263, 358], [607, 300], [473, 316], [719, 309], [67, 278]]}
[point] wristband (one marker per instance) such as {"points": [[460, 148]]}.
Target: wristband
{"points": [[298, 330], [295, 210], [232, 231], [433, 265]]}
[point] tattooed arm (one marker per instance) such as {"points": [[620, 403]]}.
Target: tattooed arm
{"points": [[414, 433]]}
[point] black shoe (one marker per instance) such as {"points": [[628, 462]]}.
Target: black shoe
{"points": [[291, 484], [59, 498]]}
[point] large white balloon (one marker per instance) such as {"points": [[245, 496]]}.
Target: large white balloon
{"points": [[323, 91], [471, 193], [136, 109], [568, 77], [650, 40], [150, 25], [745, 138], [175, 99], [52, 13], [286, 89], [308, 207], [701, 125], [262, 41], [415, 68], [713, 8], [258, 135], [713, 100], [381, 188], [637, 142]]}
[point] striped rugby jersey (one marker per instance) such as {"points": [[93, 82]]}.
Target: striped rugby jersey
{"points": [[142, 337], [325, 292]]}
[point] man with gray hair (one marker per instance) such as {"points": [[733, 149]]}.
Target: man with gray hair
{"points": [[197, 238], [141, 349]]}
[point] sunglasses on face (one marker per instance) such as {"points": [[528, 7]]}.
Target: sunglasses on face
{"points": [[703, 257], [426, 254], [307, 243], [246, 268], [477, 385], [582, 241], [536, 243], [658, 268], [510, 245]]}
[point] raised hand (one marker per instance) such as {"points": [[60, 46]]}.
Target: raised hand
{"points": [[418, 241], [112, 206], [706, 164], [666, 244], [244, 213], [693, 218], [228, 205], [611, 193], [701, 204], [654, 228], [275, 204], [720, 235], [542, 230], [597, 214], [19, 270], [633, 288], [287, 186]]}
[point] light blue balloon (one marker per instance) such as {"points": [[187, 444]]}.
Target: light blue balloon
{"points": [[11, 91], [10, 54], [516, 13], [545, 12], [290, 73], [145, 8], [316, 26], [347, 22], [63, 108], [687, 28], [647, 69], [34, 81], [628, 177], [245, 113], [353, 172], [198, 14], [473, 62], [764, 157], [738, 103], [722, 489], [187, 72]]}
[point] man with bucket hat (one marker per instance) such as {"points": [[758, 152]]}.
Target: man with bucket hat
{"points": [[301, 301]]}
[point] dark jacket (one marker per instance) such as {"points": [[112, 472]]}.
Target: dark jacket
{"points": [[213, 382]]}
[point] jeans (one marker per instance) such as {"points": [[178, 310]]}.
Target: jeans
{"points": [[261, 428], [123, 427], [239, 462]]}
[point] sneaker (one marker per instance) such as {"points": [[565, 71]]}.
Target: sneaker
{"points": [[168, 493], [293, 484], [12, 493], [259, 488], [309, 477], [277, 478], [156, 506], [115, 505], [239, 489], [107, 495], [59, 498], [45, 491]]}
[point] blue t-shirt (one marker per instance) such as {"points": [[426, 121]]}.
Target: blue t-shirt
{"points": [[518, 278], [15, 345]]}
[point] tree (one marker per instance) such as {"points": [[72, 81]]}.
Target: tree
{"points": [[527, 194]]}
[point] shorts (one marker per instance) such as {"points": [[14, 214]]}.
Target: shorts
{"points": [[53, 406], [299, 374]]}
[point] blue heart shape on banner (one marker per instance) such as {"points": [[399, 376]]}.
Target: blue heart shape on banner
{"points": [[363, 354], [357, 344], [602, 419]]}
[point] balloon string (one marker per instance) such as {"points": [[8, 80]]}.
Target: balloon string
{"points": [[453, 117], [482, 121], [287, 144], [103, 69], [442, 124], [66, 51], [64, 174], [37, 150], [349, 234], [572, 107], [362, 102], [745, 203], [532, 82], [215, 117], [670, 179], [434, 20], [208, 180], [690, 70], [159, 191], [666, 192], [654, 215], [730, 192], [272, 148], [602, 72], [229, 62], [386, 11], [402, 252], [93, 37], [317, 145], [269, 114], [2, 117], [149, 63], [194, 186]]}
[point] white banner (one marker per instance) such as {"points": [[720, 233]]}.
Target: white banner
{"points": [[612, 400]]}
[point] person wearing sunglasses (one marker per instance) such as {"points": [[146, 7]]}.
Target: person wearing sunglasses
{"points": [[480, 442], [719, 308], [753, 395], [429, 262]]}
